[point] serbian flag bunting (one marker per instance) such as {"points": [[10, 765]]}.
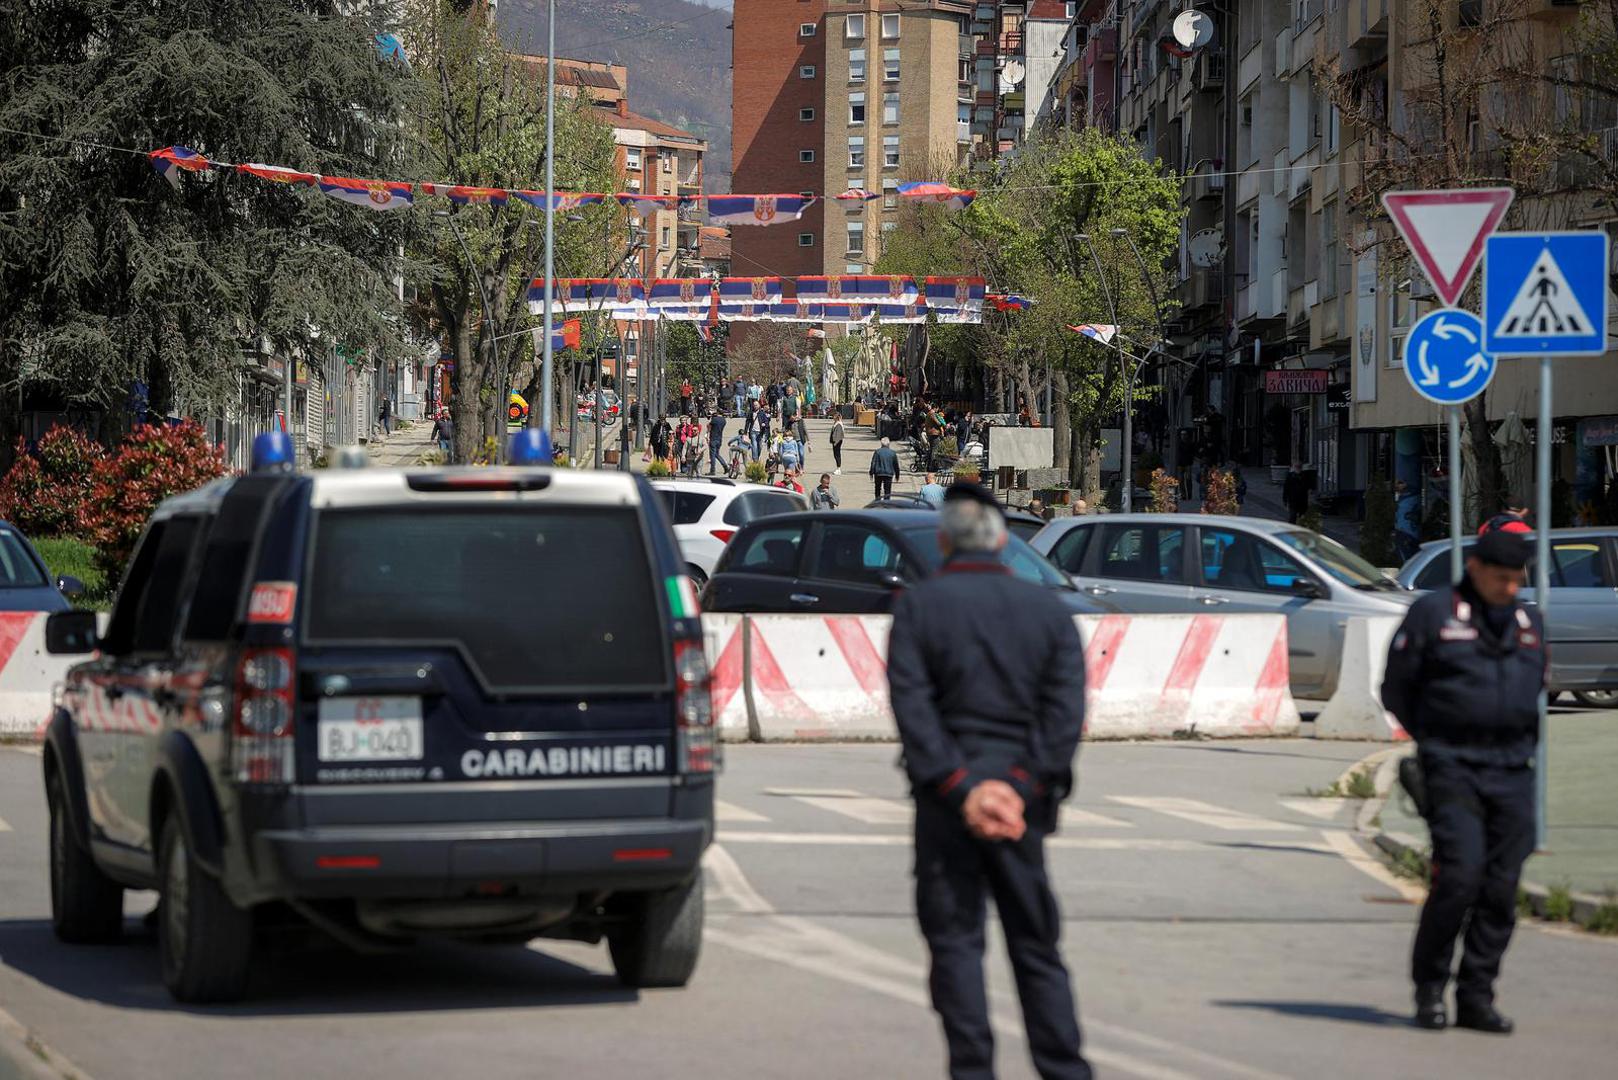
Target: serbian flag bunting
{"points": [[636, 203], [868, 288], [902, 313], [371, 194], [1009, 302], [756, 209], [858, 194], [461, 195], [278, 174], [673, 293], [565, 335], [936, 192], [704, 332], [559, 202], [956, 293], [625, 294], [1102, 332], [750, 290], [170, 160]]}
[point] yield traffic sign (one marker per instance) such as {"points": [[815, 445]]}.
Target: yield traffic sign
{"points": [[1446, 229], [1444, 358], [1545, 294]]}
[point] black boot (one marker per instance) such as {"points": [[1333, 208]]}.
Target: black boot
{"points": [[1481, 1016], [1430, 1007]]}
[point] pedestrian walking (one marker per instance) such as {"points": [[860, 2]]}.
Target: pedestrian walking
{"points": [[761, 431], [1464, 675], [1241, 486], [789, 480], [986, 677], [884, 469], [932, 492], [791, 451], [661, 435], [739, 397], [385, 416], [1295, 493], [824, 497], [685, 396], [837, 435], [444, 432], [716, 442]]}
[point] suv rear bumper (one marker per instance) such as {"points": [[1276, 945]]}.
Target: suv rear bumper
{"points": [[447, 861]]}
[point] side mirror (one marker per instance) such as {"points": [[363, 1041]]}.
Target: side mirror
{"points": [[71, 633], [1308, 588], [68, 585]]}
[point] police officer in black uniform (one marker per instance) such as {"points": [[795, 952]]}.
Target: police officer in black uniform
{"points": [[986, 674], [1464, 676]]}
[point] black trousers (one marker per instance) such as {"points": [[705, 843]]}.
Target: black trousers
{"points": [[1482, 826], [884, 486], [837, 453], [954, 874]]}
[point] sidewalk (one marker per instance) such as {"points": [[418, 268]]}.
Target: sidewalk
{"points": [[1582, 810], [1264, 501], [410, 440]]}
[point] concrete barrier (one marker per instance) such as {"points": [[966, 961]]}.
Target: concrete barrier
{"points": [[724, 640], [1161, 676], [819, 677], [27, 673], [1355, 711]]}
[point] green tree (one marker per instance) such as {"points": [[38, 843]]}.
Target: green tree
{"points": [[480, 120], [107, 275]]}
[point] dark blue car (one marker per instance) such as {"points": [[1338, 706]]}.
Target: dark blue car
{"points": [[25, 582]]}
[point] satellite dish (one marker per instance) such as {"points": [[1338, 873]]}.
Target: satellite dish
{"points": [[1012, 73], [1206, 247], [1193, 29]]}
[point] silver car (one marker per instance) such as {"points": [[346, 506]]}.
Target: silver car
{"points": [[1581, 624], [1203, 564]]}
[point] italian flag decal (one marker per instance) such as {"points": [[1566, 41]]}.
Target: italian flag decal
{"points": [[682, 597]]}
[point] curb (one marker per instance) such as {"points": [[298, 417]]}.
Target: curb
{"points": [[25, 1057]]}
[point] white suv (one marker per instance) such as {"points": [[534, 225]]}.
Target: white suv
{"points": [[707, 511]]}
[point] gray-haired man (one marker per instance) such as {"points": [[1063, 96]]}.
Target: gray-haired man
{"points": [[986, 676], [884, 469]]}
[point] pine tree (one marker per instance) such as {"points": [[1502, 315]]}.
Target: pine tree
{"points": [[108, 275]]}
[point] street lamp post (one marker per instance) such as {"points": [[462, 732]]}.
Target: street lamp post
{"points": [[1162, 327], [550, 217], [1126, 485]]}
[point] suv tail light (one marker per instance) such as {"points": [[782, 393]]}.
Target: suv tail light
{"points": [[693, 709], [261, 730], [722, 535]]}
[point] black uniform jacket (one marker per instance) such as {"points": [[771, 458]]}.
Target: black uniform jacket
{"points": [[986, 674], [1457, 687]]}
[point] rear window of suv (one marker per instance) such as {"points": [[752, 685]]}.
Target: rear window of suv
{"points": [[541, 598]]}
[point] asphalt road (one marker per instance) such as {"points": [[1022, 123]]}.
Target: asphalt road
{"points": [[1218, 921]]}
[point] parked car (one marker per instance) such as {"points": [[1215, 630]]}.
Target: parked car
{"points": [[706, 511], [1581, 625], [25, 580], [1020, 522], [851, 561], [1202, 564]]}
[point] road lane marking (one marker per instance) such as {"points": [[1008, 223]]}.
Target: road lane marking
{"points": [[733, 884], [1203, 813], [1075, 843], [864, 809], [811, 792], [3, 826], [724, 811], [51, 1063], [1074, 818], [1345, 845], [1324, 809]]}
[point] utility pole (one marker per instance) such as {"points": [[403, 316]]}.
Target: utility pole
{"points": [[545, 376]]}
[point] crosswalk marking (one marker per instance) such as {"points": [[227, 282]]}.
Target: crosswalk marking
{"points": [[724, 811], [1203, 813], [1075, 843], [3, 826], [1324, 809], [1074, 818], [865, 809]]}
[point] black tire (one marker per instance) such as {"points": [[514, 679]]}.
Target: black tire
{"points": [[206, 941], [86, 905], [662, 939], [698, 578], [1597, 699]]}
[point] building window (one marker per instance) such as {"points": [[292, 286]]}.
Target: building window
{"points": [[668, 163], [807, 71], [1328, 251], [632, 158], [889, 226], [856, 65], [806, 239], [890, 26], [663, 239], [806, 156], [806, 114], [856, 238], [856, 108], [890, 65], [806, 29], [890, 151], [807, 194], [856, 152], [633, 181], [890, 194], [853, 268], [854, 27], [963, 122], [890, 108]]}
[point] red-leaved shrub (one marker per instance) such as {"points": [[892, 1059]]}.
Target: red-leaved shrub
{"points": [[45, 492], [153, 462]]}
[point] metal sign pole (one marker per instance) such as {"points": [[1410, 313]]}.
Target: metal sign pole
{"points": [[1455, 496], [1543, 438]]}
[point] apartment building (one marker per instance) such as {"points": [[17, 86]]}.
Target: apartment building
{"points": [[844, 94], [1279, 267]]}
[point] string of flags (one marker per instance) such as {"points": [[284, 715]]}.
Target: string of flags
{"points": [[846, 298], [173, 161]]}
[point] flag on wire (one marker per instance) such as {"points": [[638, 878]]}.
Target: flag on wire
{"points": [[874, 288], [277, 174], [936, 192], [371, 194], [1009, 302], [956, 294], [671, 293], [750, 290], [705, 333], [563, 200], [756, 209], [1102, 332], [461, 195], [636, 203], [858, 194], [565, 335], [170, 160]]}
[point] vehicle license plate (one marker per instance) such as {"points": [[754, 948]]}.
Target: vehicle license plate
{"points": [[370, 729]]}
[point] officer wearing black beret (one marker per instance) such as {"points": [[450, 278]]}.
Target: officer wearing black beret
{"points": [[1464, 676], [986, 674]]}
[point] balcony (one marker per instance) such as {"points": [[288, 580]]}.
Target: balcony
{"points": [[1209, 73], [1011, 43], [1367, 22], [1278, 293], [1204, 288], [1251, 67], [1246, 302], [1247, 185], [1208, 182], [1102, 47], [1283, 53]]}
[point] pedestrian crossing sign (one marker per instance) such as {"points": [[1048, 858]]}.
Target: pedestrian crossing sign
{"points": [[1545, 294]]}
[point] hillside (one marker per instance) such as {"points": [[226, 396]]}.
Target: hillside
{"points": [[677, 53]]}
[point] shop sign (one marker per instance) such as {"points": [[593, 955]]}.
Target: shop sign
{"points": [[1599, 431], [1314, 381], [1337, 397]]}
